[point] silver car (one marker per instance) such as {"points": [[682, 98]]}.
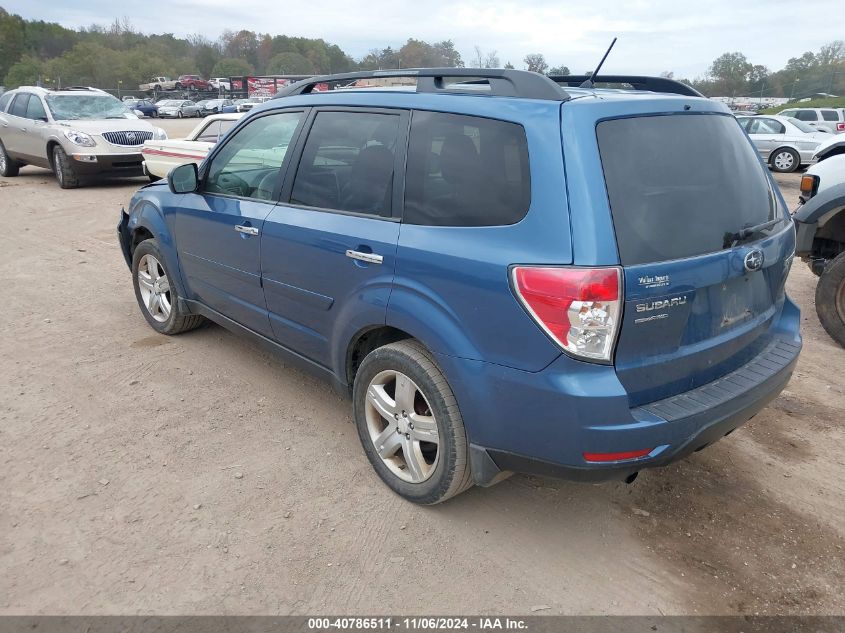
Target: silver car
{"points": [[178, 108], [784, 143]]}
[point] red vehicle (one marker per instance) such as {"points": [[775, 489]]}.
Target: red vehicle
{"points": [[192, 82]]}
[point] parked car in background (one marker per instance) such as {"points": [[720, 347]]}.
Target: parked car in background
{"points": [[201, 106], [157, 84], [145, 106], [826, 119], [821, 176], [604, 319], [74, 132], [234, 106], [160, 156], [191, 82], [178, 108], [214, 106], [784, 143], [248, 104], [223, 84]]}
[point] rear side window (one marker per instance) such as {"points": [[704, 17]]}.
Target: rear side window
{"points": [[347, 163], [806, 115], [4, 101], [679, 185], [466, 171], [19, 105], [830, 115]]}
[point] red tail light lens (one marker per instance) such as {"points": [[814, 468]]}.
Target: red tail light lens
{"points": [[617, 457], [579, 308], [840, 127]]}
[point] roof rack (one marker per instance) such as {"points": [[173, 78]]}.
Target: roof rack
{"points": [[637, 82], [502, 82]]}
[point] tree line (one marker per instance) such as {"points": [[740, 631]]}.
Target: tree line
{"points": [[119, 55]]}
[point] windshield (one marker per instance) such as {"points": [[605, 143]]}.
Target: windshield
{"points": [[73, 107], [804, 127], [682, 185]]}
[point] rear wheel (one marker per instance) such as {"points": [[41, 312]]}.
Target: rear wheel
{"points": [[785, 160], [157, 299], [830, 299], [65, 174], [8, 166], [410, 425], [179, 114]]}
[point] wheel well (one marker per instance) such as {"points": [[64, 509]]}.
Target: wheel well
{"points": [[50, 146], [365, 342], [829, 240], [139, 235]]}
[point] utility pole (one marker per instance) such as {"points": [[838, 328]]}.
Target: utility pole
{"points": [[792, 96]]}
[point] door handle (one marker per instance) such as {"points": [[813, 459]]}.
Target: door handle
{"points": [[246, 230], [370, 258]]}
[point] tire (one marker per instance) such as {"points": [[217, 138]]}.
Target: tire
{"points": [[179, 114], [158, 301], [65, 174], [440, 469], [178, 86], [784, 160], [830, 299], [157, 88], [8, 166]]}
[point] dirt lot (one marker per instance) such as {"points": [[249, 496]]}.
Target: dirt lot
{"points": [[195, 474]]}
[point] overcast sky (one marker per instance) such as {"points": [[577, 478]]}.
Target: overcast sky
{"points": [[654, 35]]}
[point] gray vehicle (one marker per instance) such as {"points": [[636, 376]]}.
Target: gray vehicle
{"points": [[820, 241], [178, 108], [784, 143], [75, 132], [824, 119], [214, 106]]}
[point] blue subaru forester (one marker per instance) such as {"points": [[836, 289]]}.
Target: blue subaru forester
{"points": [[506, 272]]}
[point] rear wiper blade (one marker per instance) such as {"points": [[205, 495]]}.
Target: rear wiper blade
{"points": [[733, 238]]}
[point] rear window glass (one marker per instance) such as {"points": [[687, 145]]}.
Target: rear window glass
{"points": [[679, 185], [806, 115], [465, 171]]}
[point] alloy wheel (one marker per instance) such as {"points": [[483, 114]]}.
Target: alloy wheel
{"points": [[57, 161], [2, 159], [402, 426], [154, 287]]}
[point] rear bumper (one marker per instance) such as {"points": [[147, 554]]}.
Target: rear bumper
{"points": [[543, 423]]}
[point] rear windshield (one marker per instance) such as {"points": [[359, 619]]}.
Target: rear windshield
{"points": [[681, 185]]}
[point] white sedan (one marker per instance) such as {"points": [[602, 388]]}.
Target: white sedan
{"points": [[162, 156], [785, 143]]}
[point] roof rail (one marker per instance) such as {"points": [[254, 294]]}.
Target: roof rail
{"points": [[637, 82], [502, 82]]}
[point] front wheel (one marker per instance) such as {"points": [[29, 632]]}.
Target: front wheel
{"points": [[178, 86], [157, 299], [410, 425], [62, 167], [830, 299], [179, 114], [785, 160]]}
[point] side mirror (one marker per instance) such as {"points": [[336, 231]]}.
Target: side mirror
{"points": [[183, 179]]}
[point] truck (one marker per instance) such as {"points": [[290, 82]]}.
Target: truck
{"points": [[158, 83]]}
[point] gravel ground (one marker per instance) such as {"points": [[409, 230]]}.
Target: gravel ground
{"points": [[196, 474]]}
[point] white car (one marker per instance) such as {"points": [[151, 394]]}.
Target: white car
{"points": [[784, 143], [221, 83], [162, 156]]}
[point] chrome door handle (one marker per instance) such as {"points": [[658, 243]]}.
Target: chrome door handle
{"points": [[246, 230], [370, 258]]}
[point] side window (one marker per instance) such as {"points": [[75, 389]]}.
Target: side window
{"points": [[789, 113], [806, 115], [466, 171], [4, 101], [19, 105], [830, 115], [210, 133], [347, 163], [767, 126], [248, 165], [745, 124], [35, 110]]}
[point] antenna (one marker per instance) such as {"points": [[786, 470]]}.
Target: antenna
{"points": [[591, 80]]}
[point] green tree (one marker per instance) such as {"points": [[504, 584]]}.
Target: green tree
{"points": [[559, 70], [729, 73], [536, 62], [290, 64], [230, 67], [11, 40], [25, 72]]}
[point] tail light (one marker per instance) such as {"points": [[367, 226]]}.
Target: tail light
{"points": [[840, 127], [579, 308]]}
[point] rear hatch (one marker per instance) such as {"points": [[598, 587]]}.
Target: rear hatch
{"points": [[705, 244]]}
